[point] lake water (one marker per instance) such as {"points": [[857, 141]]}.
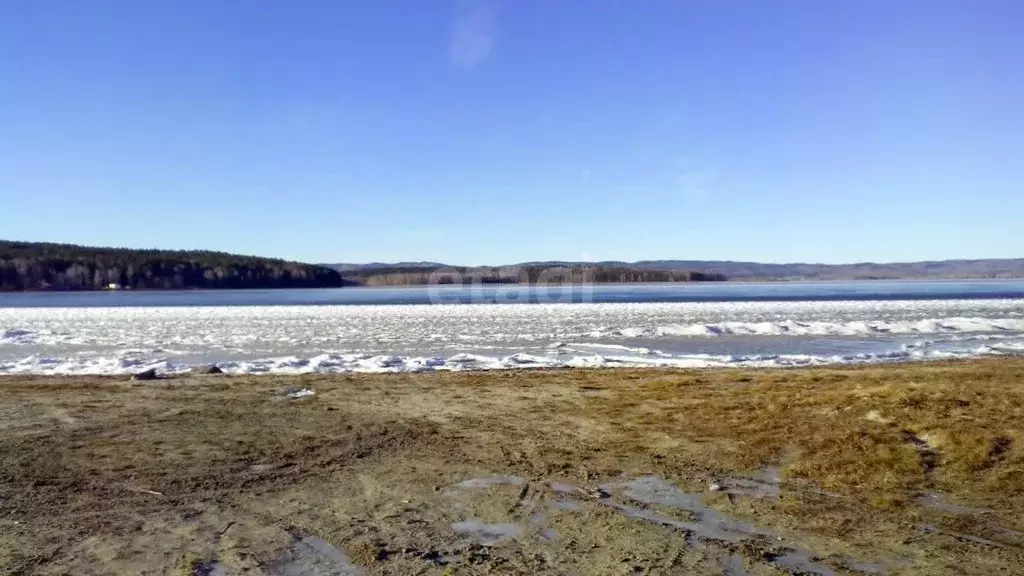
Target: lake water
{"points": [[492, 327], [510, 294]]}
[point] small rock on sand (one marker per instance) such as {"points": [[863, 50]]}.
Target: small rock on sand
{"points": [[210, 369], [146, 375]]}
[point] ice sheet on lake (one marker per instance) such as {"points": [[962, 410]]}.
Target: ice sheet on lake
{"points": [[416, 338]]}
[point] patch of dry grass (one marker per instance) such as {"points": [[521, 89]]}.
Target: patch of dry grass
{"points": [[879, 432], [86, 463]]}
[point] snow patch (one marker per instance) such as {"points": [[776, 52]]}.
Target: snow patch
{"points": [[340, 363], [820, 328]]}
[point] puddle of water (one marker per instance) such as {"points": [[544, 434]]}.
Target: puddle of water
{"points": [[654, 490], [311, 556], [769, 474], [563, 488], [800, 561], [766, 484], [1012, 533], [938, 502], [731, 563], [488, 481], [213, 568], [569, 505], [750, 488], [710, 524], [704, 525], [663, 520], [547, 534], [707, 522], [486, 534]]}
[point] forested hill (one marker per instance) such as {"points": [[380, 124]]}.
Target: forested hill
{"points": [[675, 270], [30, 266], [430, 273]]}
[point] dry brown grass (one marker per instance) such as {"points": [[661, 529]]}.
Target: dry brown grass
{"points": [[863, 431], [102, 476]]}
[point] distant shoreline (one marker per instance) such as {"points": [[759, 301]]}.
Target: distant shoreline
{"points": [[751, 281], [691, 270], [49, 267]]}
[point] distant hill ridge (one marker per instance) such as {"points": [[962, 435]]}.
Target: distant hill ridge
{"points": [[31, 266], [724, 269], [407, 274]]}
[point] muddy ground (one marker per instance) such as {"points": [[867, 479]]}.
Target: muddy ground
{"points": [[900, 469]]}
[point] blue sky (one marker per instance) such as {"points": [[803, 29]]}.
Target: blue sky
{"points": [[496, 131]]}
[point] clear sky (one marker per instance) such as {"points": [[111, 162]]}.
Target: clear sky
{"points": [[496, 131]]}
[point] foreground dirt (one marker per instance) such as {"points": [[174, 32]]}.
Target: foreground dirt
{"points": [[901, 469]]}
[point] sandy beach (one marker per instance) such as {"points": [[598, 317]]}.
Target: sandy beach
{"points": [[898, 469]]}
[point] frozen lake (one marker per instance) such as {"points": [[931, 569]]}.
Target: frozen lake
{"points": [[695, 325]]}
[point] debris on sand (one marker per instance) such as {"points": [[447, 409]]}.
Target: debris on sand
{"points": [[303, 393], [146, 375], [143, 491], [208, 369]]}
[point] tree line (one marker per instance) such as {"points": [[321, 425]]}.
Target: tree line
{"points": [[583, 274], [30, 266]]}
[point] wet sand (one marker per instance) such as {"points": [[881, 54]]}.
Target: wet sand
{"points": [[898, 469]]}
